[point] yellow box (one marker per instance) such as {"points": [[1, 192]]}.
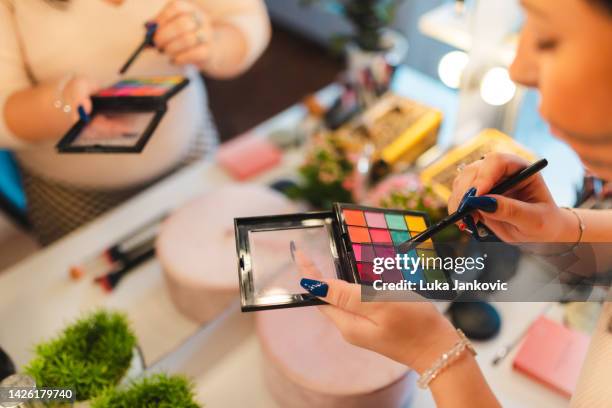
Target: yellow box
{"points": [[441, 174], [399, 128]]}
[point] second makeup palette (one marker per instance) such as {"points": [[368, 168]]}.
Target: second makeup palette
{"points": [[124, 116], [342, 243]]}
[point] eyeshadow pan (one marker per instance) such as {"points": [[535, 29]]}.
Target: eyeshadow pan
{"points": [[380, 235], [366, 272], [392, 275], [363, 253], [415, 223], [359, 234], [375, 219], [425, 252], [400, 236], [384, 251], [354, 217], [417, 276], [396, 221]]}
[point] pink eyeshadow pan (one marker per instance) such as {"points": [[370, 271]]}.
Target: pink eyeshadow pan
{"points": [[123, 92], [380, 235], [392, 275], [376, 220], [106, 92], [385, 251], [366, 272], [363, 253]]}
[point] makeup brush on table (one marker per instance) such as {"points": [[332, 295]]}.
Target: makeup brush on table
{"points": [[111, 279], [500, 188]]}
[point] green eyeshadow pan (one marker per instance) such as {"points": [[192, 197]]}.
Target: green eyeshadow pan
{"points": [[396, 221], [399, 236]]}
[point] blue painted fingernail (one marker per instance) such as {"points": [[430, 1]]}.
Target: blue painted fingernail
{"points": [[469, 193], [292, 249], [484, 203], [82, 114], [469, 221], [315, 287]]}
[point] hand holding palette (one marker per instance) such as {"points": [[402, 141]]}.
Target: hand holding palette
{"points": [[124, 116], [342, 243]]}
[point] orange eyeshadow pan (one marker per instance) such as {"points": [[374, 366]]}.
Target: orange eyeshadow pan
{"points": [[354, 217], [359, 234]]}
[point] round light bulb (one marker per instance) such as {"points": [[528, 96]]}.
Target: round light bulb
{"points": [[451, 68], [496, 87]]}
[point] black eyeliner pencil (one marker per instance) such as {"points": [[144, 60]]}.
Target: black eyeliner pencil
{"points": [[133, 57], [151, 28], [500, 188]]}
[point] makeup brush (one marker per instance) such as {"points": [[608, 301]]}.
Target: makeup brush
{"points": [[111, 279], [500, 188], [147, 42], [111, 258]]}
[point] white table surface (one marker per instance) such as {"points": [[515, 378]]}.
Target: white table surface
{"points": [[37, 299]]}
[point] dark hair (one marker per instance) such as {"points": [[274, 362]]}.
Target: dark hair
{"points": [[605, 4]]}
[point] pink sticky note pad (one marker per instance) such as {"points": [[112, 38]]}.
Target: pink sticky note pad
{"points": [[552, 354], [248, 155]]}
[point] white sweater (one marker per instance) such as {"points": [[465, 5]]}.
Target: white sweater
{"points": [[93, 38]]}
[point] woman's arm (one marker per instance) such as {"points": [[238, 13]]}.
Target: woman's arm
{"points": [[412, 333], [241, 34], [598, 225], [30, 113], [27, 112]]}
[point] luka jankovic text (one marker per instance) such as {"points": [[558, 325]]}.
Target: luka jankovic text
{"points": [[438, 286]]}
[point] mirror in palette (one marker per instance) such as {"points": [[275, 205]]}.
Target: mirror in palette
{"points": [[115, 129], [269, 275]]}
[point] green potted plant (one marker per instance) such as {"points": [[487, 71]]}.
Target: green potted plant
{"points": [[92, 354], [157, 391], [326, 174]]}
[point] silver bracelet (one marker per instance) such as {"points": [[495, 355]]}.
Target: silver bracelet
{"points": [[59, 102], [581, 227], [446, 359]]}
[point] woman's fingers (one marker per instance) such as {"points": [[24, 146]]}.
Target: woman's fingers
{"points": [[175, 28], [494, 168], [461, 186], [513, 211], [339, 293], [196, 55], [173, 9], [336, 292], [355, 329], [306, 267], [515, 220]]}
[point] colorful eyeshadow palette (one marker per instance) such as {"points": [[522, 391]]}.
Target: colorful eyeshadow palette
{"points": [[124, 116], [348, 239]]}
